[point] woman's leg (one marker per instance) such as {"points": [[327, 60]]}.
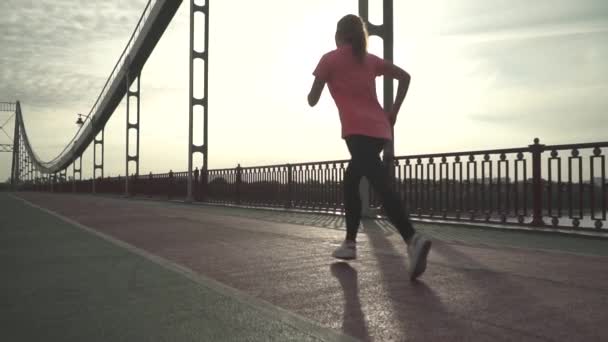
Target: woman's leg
{"points": [[352, 208], [352, 201], [365, 152], [365, 161]]}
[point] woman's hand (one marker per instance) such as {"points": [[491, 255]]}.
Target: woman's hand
{"points": [[392, 116], [404, 83]]}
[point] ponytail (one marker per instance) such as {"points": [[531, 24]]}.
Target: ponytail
{"points": [[351, 29]]}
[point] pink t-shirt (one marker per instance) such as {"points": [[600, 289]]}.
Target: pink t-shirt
{"points": [[353, 87]]}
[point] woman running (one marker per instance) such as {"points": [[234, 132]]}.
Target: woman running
{"points": [[350, 73]]}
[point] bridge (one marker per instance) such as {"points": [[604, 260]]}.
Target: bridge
{"points": [[243, 253]]}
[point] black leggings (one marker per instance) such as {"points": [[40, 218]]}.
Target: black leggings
{"points": [[365, 161]]}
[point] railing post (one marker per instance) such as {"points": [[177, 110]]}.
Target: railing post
{"points": [[170, 184], [134, 184], [288, 203], [238, 184], [204, 183], [364, 191], [149, 186], [196, 190], [537, 190]]}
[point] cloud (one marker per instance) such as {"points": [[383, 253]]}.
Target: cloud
{"points": [[67, 21], [542, 82], [56, 57], [481, 70], [473, 16], [48, 47]]}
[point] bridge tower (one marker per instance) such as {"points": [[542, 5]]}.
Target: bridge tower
{"points": [[6, 141], [198, 101], [384, 31]]}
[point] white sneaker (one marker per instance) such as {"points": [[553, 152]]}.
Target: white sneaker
{"points": [[346, 251], [417, 250]]}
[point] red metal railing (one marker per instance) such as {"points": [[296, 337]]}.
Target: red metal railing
{"points": [[490, 185], [561, 185]]}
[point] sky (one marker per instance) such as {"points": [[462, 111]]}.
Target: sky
{"points": [[485, 75]]}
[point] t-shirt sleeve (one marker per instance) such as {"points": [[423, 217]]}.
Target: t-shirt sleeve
{"points": [[381, 66], [323, 69]]}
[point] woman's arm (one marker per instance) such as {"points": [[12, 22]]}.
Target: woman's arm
{"points": [[315, 91], [404, 83]]}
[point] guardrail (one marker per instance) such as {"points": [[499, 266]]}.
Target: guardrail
{"points": [[562, 186]]}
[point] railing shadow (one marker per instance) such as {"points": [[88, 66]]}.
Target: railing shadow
{"points": [[499, 294], [496, 298], [419, 312]]}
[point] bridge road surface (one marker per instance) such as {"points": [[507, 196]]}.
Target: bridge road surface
{"points": [[259, 275]]}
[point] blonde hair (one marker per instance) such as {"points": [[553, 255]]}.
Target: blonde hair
{"points": [[351, 29]]}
